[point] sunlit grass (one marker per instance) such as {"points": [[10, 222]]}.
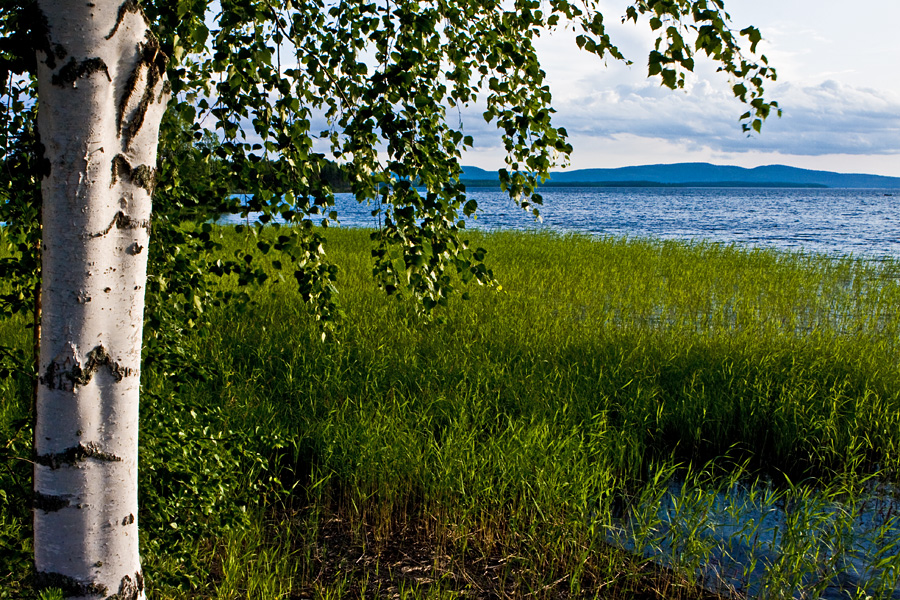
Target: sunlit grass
{"points": [[529, 417], [614, 394], [688, 349]]}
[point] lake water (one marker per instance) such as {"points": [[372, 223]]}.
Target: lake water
{"points": [[835, 221]]}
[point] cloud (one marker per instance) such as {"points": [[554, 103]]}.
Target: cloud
{"points": [[828, 118]]}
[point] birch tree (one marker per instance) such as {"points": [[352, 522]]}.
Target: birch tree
{"points": [[382, 75], [103, 89]]}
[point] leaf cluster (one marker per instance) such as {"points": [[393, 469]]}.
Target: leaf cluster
{"points": [[278, 100], [292, 86], [689, 27], [20, 209], [197, 479]]}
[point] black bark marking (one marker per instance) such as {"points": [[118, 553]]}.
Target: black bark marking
{"points": [[120, 168], [165, 91], [57, 377], [73, 70], [76, 454], [122, 221], [134, 249], [129, 6], [128, 520], [129, 589], [49, 503], [154, 60], [143, 176], [69, 585]]}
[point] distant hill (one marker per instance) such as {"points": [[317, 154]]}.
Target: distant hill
{"points": [[699, 175]]}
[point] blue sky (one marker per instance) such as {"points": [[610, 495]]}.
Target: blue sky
{"points": [[838, 82]]}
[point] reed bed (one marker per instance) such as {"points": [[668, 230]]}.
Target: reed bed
{"points": [[614, 422]]}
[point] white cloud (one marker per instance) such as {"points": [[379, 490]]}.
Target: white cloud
{"points": [[822, 119], [830, 118]]}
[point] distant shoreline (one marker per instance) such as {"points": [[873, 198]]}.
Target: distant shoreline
{"points": [[487, 183], [702, 175]]}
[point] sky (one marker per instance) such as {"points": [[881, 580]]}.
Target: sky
{"points": [[838, 67]]}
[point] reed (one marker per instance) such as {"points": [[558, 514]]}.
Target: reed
{"points": [[611, 423]]}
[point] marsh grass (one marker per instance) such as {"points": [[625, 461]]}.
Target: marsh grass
{"points": [[582, 432]]}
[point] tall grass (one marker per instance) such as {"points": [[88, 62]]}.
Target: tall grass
{"points": [[543, 440], [691, 349]]}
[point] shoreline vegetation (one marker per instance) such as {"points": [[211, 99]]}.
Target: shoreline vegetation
{"points": [[613, 423]]}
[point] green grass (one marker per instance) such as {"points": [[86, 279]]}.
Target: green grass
{"points": [[491, 450]]}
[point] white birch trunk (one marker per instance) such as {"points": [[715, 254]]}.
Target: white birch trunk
{"points": [[102, 93]]}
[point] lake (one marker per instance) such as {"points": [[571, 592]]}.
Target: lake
{"points": [[862, 222]]}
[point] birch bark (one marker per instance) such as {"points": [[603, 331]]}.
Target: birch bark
{"points": [[102, 91]]}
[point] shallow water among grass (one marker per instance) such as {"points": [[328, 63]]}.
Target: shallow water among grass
{"points": [[751, 540]]}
